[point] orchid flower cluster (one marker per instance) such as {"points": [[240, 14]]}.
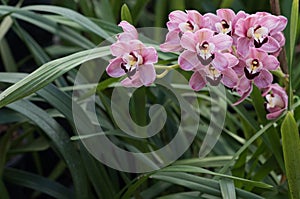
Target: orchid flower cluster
{"points": [[237, 50]]}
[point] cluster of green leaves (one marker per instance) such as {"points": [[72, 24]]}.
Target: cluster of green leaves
{"points": [[252, 158]]}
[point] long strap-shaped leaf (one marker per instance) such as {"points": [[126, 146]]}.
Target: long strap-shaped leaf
{"points": [[46, 24], [61, 142], [47, 73], [80, 19], [37, 183]]}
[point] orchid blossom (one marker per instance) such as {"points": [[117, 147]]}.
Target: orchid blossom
{"points": [[133, 59], [277, 101], [179, 23], [261, 30]]}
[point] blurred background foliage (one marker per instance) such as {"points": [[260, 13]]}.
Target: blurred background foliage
{"points": [[38, 159]]}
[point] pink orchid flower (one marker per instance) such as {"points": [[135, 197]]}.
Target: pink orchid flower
{"points": [[133, 59], [204, 48], [224, 21], [209, 74], [257, 66], [261, 30], [179, 23], [277, 101]]}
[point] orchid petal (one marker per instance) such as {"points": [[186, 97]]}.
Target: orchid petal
{"points": [[188, 60], [147, 74], [270, 63], [197, 82], [133, 81], [220, 61], [230, 78], [172, 43], [187, 41], [264, 79], [271, 45], [221, 41], [149, 55], [114, 68]]}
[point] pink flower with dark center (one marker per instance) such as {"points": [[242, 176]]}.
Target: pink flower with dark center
{"points": [[204, 48], [257, 66], [277, 101], [209, 74], [133, 59], [261, 30], [179, 23], [224, 21]]}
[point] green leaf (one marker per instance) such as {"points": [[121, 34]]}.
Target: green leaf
{"points": [[3, 190], [227, 189], [5, 143], [7, 57], [80, 19], [291, 152], [185, 168], [46, 24], [60, 141], [293, 36], [36, 182], [39, 144], [48, 73], [125, 14]]}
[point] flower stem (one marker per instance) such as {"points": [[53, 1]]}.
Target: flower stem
{"points": [[166, 70]]}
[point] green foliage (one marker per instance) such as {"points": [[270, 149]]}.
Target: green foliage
{"points": [[36, 117]]}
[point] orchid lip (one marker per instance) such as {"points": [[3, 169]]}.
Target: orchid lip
{"points": [[224, 27], [207, 61], [204, 53], [215, 81], [250, 75]]}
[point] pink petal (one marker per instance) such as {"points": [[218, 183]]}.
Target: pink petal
{"points": [[212, 20], [226, 14], [187, 41], [203, 34], [196, 17], [114, 68], [244, 96], [175, 18], [232, 60], [220, 61], [149, 55], [147, 74], [257, 53], [172, 43], [188, 60], [221, 41], [128, 28], [279, 38], [197, 82], [118, 49], [243, 44], [133, 82], [274, 115], [270, 63], [264, 79], [272, 45], [230, 78]]}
